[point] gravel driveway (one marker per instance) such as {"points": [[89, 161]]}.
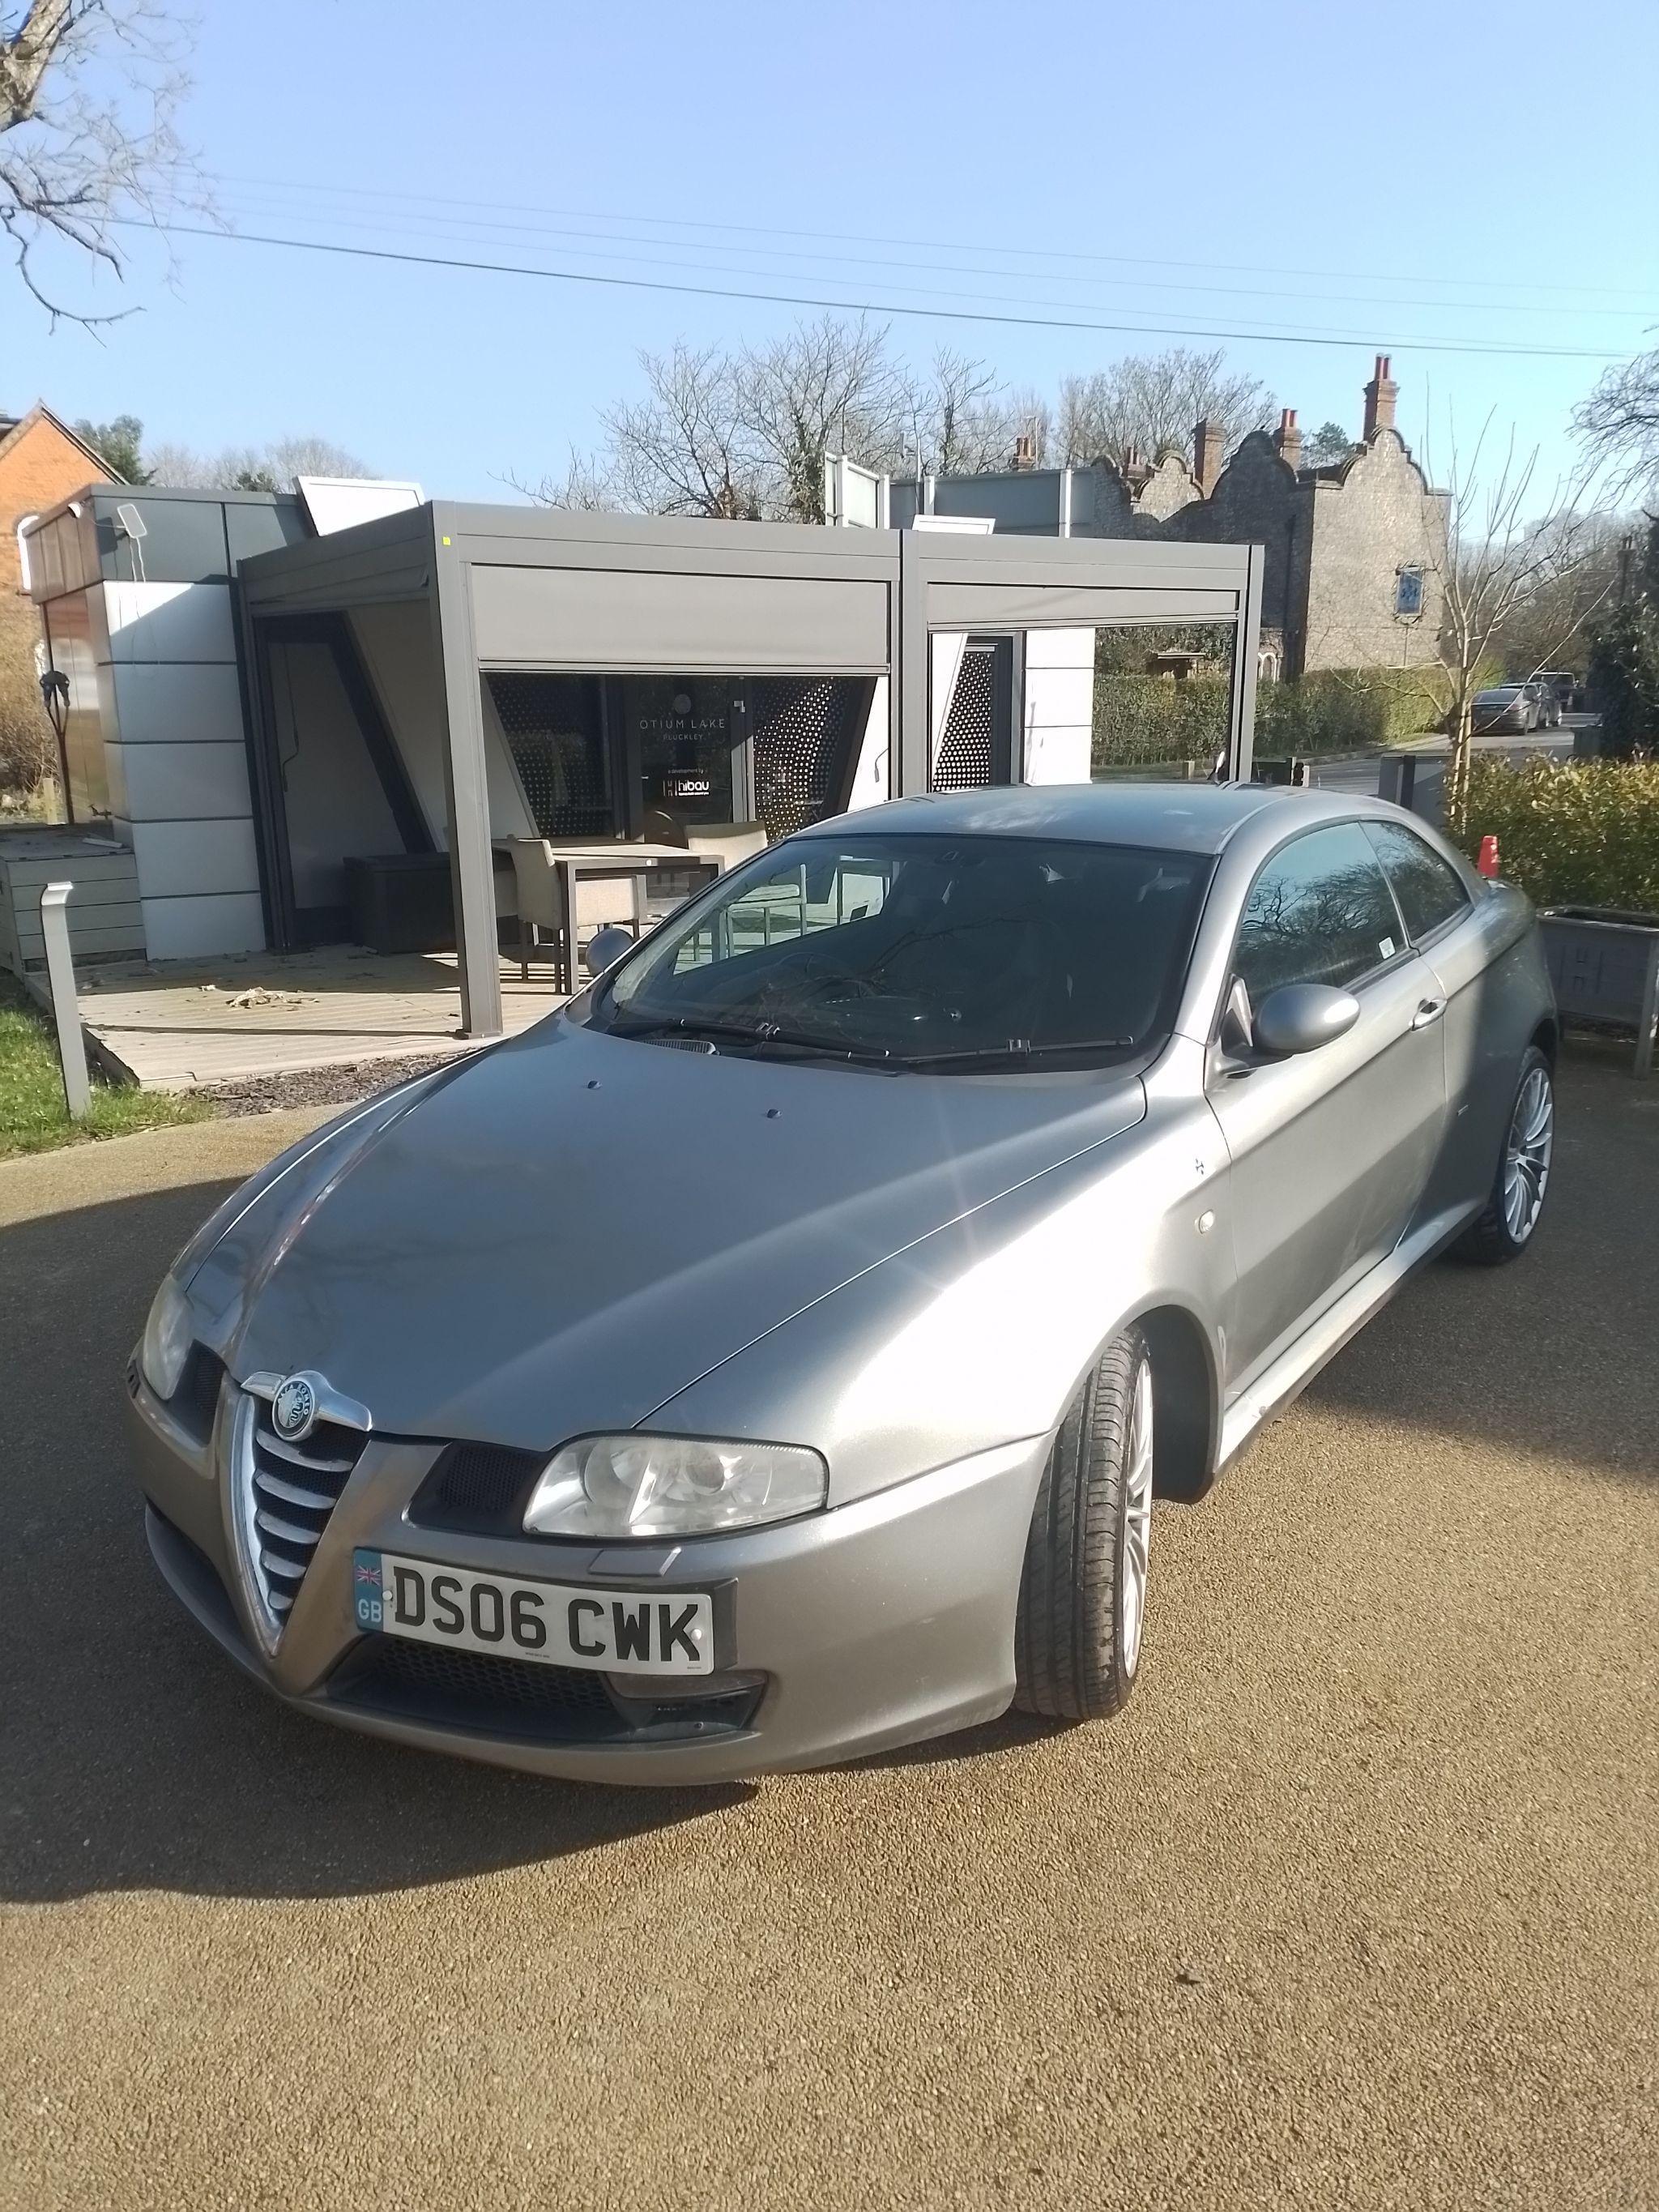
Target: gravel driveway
{"points": [[1356, 1906]]}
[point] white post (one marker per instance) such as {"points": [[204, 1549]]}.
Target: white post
{"points": [[65, 1006]]}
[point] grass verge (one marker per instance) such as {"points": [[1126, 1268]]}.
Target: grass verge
{"points": [[31, 1112]]}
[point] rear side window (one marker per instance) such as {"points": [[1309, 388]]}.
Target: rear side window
{"points": [[1320, 912], [1430, 890]]}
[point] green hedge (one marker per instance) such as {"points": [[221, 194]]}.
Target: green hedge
{"points": [[1574, 833], [1347, 710], [1142, 719]]}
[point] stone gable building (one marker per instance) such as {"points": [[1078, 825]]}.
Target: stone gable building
{"points": [[1354, 552]]}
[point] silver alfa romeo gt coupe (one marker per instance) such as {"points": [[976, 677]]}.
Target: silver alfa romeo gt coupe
{"points": [[773, 1356]]}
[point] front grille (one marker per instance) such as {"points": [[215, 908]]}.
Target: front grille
{"points": [[482, 1489], [295, 1488]]}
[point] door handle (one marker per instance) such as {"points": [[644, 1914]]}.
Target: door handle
{"points": [[1429, 1010]]}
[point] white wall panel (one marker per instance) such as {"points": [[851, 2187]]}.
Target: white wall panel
{"points": [[1058, 705], [177, 783], [169, 622], [199, 928], [872, 778], [176, 859], [159, 703]]}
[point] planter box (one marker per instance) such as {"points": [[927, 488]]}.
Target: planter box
{"points": [[1605, 967]]}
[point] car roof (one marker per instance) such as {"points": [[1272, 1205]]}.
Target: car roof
{"points": [[1186, 817]]}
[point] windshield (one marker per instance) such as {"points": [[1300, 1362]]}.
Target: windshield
{"points": [[919, 951]]}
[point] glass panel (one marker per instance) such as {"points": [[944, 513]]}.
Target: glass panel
{"points": [[555, 729], [926, 950], [1430, 890], [804, 729], [1161, 701], [333, 802], [1320, 913], [683, 728], [69, 638]]}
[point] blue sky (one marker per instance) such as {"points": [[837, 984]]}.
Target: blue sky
{"points": [[1398, 176]]}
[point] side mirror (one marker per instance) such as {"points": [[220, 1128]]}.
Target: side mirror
{"points": [[607, 947], [1302, 1017]]}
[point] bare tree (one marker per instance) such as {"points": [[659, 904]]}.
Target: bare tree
{"points": [[958, 413], [826, 387], [270, 467], [1619, 424], [88, 90], [743, 436], [1503, 556], [1148, 401]]}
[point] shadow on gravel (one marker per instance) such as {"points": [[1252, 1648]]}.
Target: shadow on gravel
{"points": [[1556, 1353], [133, 1754]]}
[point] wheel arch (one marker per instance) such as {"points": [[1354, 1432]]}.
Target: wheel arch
{"points": [[1547, 1038], [1187, 1401]]}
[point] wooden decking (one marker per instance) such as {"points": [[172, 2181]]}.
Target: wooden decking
{"points": [[179, 1025]]}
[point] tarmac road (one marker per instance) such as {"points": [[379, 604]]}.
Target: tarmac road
{"points": [[1354, 1907]]}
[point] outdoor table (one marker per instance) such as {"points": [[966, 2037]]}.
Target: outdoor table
{"points": [[614, 856]]}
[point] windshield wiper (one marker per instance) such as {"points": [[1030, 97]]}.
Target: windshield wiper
{"points": [[1019, 1051], [760, 1037]]}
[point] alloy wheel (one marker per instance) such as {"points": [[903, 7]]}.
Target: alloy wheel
{"points": [[1137, 1514], [1527, 1155]]}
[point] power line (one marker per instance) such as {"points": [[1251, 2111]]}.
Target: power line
{"points": [[1274, 330], [407, 220], [928, 244], [847, 306]]}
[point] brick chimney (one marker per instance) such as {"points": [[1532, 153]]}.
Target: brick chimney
{"points": [[1287, 439], [1206, 455], [1024, 450], [1380, 396]]}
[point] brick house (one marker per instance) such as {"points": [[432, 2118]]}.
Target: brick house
{"points": [[41, 462], [1354, 552]]}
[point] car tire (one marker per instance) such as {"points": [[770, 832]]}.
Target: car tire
{"points": [[1504, 1231], [1083, 1592]]}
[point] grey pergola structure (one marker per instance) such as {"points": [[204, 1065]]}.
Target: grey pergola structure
{"points": [[523, 588]]}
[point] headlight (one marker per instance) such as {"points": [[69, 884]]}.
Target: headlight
{"points": [[168, 1334], [639, 1485]]}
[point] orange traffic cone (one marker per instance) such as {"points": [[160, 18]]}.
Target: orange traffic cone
{"points": [[1487, 861]]}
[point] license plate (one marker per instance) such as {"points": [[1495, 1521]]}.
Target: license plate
{"points": [[556, 1624]]}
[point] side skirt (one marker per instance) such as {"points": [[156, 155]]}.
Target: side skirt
{"points": [[1291, 1372]]}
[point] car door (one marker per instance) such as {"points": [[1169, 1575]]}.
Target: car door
{"points": [[1439, 907], [1332, 1149]]}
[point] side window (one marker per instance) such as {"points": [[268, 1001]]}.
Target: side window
{"points": [[1430, 890], [1320, 912]]}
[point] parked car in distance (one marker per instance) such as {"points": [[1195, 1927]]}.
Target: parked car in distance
{"points": [[1566, 686], [1507, 706], [771, 1357]]}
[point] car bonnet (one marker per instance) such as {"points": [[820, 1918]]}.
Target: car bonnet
{"points": [[578, 1226]]}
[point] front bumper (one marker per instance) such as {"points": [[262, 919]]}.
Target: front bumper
{"points": [[850, 1632]]}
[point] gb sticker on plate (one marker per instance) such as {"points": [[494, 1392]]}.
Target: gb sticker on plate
{"points": [[365, 1588]]}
